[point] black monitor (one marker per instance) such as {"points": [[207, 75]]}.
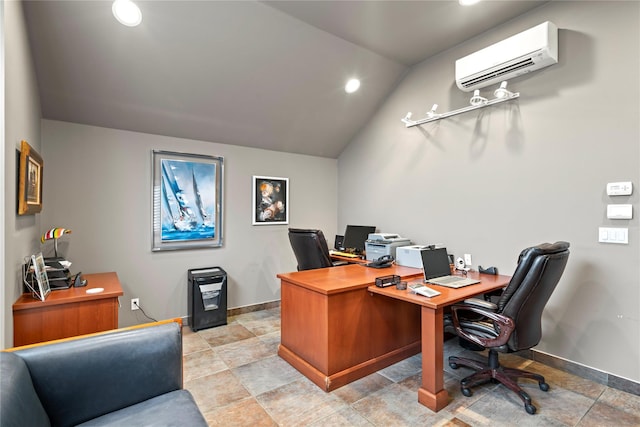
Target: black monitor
{"points": [[355, 236]]}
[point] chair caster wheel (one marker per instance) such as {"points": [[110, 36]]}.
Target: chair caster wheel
{"points": [[467, 392], [543, 386], [530, 408], [453, 365]]}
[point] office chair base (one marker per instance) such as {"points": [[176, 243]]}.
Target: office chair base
{"points": [[495, 373]]}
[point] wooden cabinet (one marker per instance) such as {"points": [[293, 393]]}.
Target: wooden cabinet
{"points": [[334, 332], [69, 312]]}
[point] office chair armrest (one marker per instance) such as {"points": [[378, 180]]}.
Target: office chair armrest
{"points": [[504, 326], [480, 303]]}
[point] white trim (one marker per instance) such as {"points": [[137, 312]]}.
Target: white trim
{"points": [[3, 343]]}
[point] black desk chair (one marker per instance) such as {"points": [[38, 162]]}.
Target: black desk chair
{"points": [[514, 323], [310, 249]]}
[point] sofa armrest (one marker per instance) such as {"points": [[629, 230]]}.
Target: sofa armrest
{"points": [[19, 402], [81, 379]]}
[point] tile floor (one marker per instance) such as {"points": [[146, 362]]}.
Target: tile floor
{"points": [[237, 379]]}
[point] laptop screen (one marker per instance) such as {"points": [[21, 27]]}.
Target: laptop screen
{"points": [[435, 263]]}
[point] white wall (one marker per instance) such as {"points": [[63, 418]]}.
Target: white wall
{"points": [[21, 121], [98, 184], [494, 181]]}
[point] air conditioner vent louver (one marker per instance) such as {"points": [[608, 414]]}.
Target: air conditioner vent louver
{"points": [[527, 51], [498, 73]]}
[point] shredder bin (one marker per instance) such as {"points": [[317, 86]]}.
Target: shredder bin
{"points": [[207, 294], [210, 295]]}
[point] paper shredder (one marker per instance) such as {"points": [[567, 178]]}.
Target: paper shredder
{"points": [[207, 297]]}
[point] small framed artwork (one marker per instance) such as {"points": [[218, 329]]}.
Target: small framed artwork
{"points": [[187, 201], [29, 181], [270, 203]]}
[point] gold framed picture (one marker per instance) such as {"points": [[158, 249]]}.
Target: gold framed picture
{"points": [[30, 180]]}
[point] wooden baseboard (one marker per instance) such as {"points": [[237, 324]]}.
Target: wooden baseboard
{"points": [[337, 380]]}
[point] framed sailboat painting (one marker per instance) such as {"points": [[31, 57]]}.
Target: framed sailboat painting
{"points": [[187, 201]]}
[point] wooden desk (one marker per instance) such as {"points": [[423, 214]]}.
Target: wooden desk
{"points": [[334, 332], [69, 312], [432, 393]]}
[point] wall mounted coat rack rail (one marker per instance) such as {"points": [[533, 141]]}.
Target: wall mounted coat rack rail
{"points": [[501, 95]]}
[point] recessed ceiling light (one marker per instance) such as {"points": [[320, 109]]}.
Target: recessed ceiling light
{"points": [[126, 12], [468, 2], [352, 85]]}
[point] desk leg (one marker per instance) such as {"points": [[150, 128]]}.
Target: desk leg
{"points": [[432, 393]]}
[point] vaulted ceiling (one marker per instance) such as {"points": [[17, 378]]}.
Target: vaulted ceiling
{"points": [[264, 74]]}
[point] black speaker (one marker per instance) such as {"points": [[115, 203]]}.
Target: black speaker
{"points": [[338, 243]]}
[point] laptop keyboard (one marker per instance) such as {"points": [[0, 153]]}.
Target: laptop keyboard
{"points": [[448, 279]]}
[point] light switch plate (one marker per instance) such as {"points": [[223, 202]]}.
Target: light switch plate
{"points": [[613, 235]]}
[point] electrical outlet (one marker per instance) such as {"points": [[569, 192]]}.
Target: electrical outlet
{"points": [[467, 259], [135, 304]]}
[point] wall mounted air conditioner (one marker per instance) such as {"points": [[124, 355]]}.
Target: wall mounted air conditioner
{"points": [[530, 50]]}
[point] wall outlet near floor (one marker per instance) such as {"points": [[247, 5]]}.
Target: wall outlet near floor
{"points": [[135, 304]]}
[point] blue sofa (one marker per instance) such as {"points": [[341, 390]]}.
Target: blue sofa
{"points": [[128, 377]]}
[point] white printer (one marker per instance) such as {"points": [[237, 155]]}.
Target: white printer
{"points": [[379, 244], [410, 256]]}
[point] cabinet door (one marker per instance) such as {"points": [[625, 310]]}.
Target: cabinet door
{"points": [[64, 320], [97, 316]]}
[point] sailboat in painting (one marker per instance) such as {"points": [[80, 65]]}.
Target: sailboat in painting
{"points": [[172, 211], [179, 220], [207, 219]]}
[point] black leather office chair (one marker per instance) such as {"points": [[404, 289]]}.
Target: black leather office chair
{"points": [[310, 248], [514, 323]]}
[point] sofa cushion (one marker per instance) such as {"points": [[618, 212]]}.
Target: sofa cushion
{"points": [[176, 408], [19, 403]]}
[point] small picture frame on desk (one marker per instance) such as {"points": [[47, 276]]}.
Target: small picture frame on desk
{"points": [[40, 273]]}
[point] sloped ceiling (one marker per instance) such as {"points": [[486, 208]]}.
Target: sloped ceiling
{"points": [[267, 74]]}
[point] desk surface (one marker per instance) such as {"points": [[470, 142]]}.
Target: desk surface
{"points": [[447, 296], [346, 277], [108, 281]]}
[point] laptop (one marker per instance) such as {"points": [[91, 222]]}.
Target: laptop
{"points": [[435, 263]]}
